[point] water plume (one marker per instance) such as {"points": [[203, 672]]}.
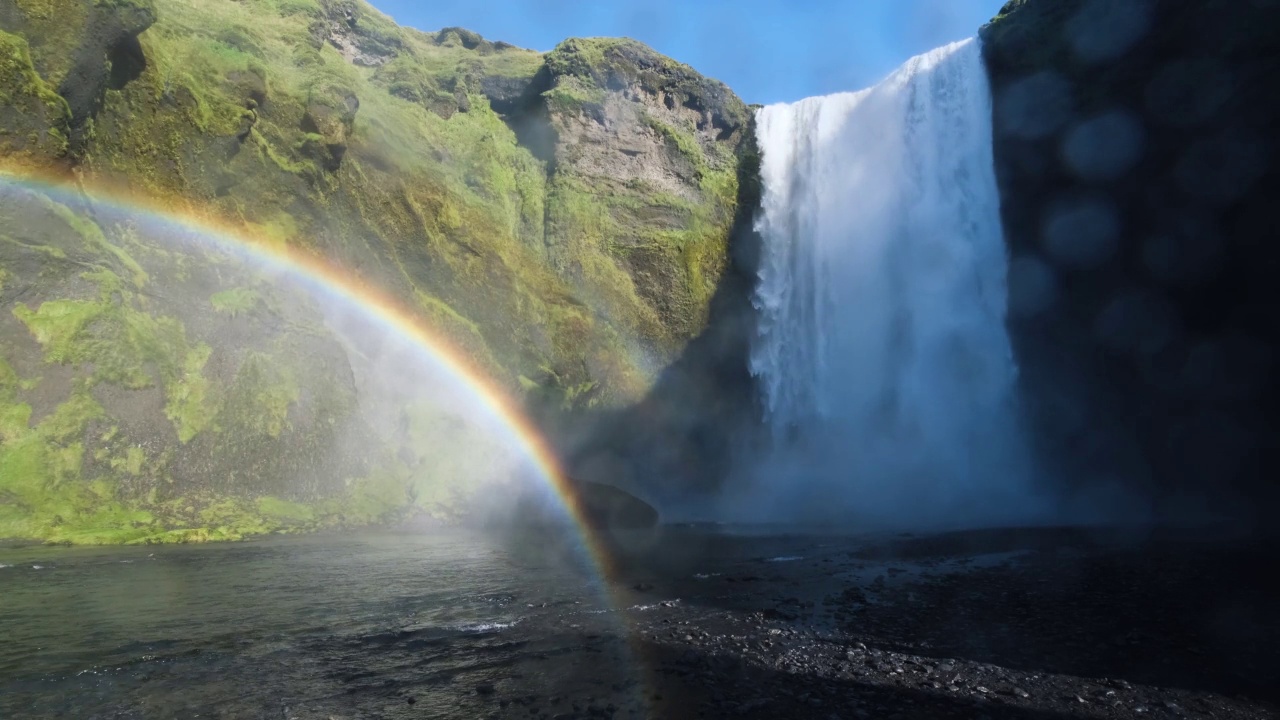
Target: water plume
{"points": [[887, 374]]}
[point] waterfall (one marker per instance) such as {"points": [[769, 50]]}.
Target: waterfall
{"points": [[886, 370]]}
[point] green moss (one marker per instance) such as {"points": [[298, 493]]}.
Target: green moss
{"points": [[278, 231], [8, 378], [58, 323], [683, 141], [54, 253], [134, 460], [1007, 8], [41, 495], [574, 95], [93, 237], [190, 403], [228, 518], [146, 6], [126, 346], [286, 510], [69, 420], [35, 118], [288, 8], [15, 416], [580, 57], [235, 301], [257, 403], [374, 497], [245, 115]]}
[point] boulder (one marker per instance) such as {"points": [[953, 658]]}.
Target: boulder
{"points": [[609, 507]]}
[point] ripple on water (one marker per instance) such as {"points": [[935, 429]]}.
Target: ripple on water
{"points": [[487, 627], [327, 623]]}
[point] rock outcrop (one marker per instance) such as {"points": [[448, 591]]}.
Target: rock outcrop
{"points": [[82, 49], [36, 120], [1136, 149], [645, 158]]}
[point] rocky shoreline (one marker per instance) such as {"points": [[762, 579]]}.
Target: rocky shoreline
{"points": [[999, 624]]}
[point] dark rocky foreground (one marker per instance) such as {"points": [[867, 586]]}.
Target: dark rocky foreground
{"points": [[999, 624]]}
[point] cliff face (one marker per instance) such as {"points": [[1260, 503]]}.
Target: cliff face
{"points": [[562, 219], [645, 160], [1137, 158]]}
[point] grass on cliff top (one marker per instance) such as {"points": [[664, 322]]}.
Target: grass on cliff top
{"points": [[595, 57], [610, 62]]}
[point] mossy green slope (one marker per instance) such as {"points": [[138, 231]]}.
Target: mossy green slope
{"points": [[560, 218], [118, 424]]}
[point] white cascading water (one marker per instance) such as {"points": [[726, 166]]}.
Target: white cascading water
{"points": [[886, 370]]}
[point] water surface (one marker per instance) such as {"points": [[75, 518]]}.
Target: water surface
{"points": [[302, 627]]}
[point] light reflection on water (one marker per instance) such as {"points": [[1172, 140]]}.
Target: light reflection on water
{"points": [[297, 627]]}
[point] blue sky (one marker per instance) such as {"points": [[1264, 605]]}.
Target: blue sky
{"points": [[766, 50]]}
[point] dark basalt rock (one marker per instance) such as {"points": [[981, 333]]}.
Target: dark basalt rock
{"points": [[607, 506], [506, 94], [1135, 148], [331, 117], [109, 56], [104, 54]]}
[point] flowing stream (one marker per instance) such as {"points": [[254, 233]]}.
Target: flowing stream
{"points": [[886, 370]]}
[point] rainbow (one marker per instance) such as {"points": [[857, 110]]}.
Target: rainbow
{"points": [[320, 276], [317, 275]]}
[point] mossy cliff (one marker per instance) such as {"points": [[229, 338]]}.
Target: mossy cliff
{"points": [[562, 218], [1136, 153]]}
